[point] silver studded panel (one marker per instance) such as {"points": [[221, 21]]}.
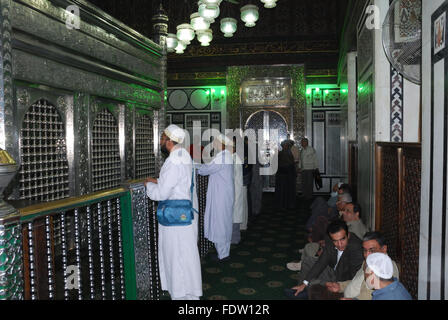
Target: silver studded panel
{"points": [[145, 165], [82, 254], [44, 172], [106, 164]]}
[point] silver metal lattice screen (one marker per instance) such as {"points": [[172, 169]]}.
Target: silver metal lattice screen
{"points": [[145, 164], [106, 162], [43, 175], [86, 240]]}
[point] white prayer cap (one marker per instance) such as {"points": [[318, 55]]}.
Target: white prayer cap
{"points": [[224, 140], [340, 184], [175, 133], [381, 265]]}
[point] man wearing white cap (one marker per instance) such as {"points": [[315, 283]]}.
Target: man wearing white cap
{"points": [[379, 277], [179, 262], [218, 218]]}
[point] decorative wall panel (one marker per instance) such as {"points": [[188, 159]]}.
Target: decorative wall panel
{"points": [[398, 206], [106, 163], [294, 113], [397, 107], [411, 221], [44, 167], [189, 99], [390, 209], [144, 146]]}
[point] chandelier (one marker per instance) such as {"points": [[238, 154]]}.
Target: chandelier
{"points": [[207, 13]]}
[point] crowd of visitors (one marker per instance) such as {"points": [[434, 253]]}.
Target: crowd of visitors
{"points": [[341, 260]]}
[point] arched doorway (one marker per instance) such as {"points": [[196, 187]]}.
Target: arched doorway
{"points": [[267, 120]]}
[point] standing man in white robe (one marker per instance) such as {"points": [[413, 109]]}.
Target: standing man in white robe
{"points": [[240, 203], [218, 219], [179, 261]]}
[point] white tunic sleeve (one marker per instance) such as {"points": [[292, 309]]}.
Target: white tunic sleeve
{"points": [[165, 184]]}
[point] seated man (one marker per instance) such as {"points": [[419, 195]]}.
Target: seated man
{"points": [[379, 277], [352, 216], [317, 232], [321, 207], [356, 288], [343, 255], [334, 195]]}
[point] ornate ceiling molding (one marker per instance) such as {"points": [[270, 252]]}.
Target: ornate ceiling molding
{"points": [[278, 47]]}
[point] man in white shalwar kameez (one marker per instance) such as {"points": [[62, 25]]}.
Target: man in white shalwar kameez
{"points": [[240, 209], [218, 218], [179, 261]]}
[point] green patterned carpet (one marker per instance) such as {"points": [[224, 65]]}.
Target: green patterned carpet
{"points": [[257, 266]]}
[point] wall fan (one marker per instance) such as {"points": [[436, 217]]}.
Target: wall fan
{"points": [[402, 38]]}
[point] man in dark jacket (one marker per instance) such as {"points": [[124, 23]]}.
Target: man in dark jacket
{"points": [[342, 253]]}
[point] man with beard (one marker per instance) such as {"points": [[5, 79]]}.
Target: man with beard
{"points": [[379, 278], [179, 262]]}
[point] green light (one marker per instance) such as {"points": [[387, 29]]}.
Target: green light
{"points": [[317, 90], [213, 90], [327, 91], [207, 92], [344, 90], [309, 91], [223, 92]]}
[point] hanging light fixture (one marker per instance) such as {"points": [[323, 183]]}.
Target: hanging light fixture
{"points": [[181, 46], [211, 2], [249, 15], [205, 37], [269, 3], [198, 22], [228, 26], [171, 42], [185, 33], [208, 11]]}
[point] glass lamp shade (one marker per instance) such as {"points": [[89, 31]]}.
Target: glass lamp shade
{"points": [[205, 37], [211, 2], [198, 22], [249, 15], [185, 33], [181, 46], [171, 42], [228, 26], [208, 12], [269, 3]]}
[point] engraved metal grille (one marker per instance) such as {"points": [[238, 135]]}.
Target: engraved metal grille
{"points": [[106, 172], [75, 255], [411, 223], [153, 233], [43, 175], [145, 162]]}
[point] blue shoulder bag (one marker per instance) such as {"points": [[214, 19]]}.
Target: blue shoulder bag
{"points": [[176, 212]]}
